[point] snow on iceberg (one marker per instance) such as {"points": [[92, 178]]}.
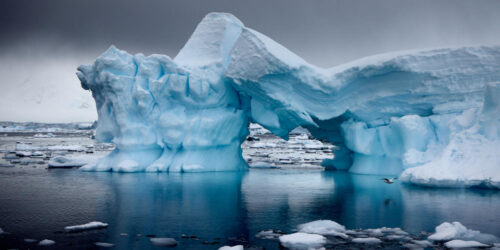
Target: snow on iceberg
{"points": [[386, 114]]}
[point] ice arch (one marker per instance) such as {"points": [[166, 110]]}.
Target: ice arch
{"points": [[387, 113]]}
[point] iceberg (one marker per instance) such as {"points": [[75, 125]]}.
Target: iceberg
{"points": [[431, 116]]}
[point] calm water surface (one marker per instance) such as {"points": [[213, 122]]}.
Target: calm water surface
{"points": [[38, 203]]}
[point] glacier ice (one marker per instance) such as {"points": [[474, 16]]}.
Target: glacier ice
{"points": [[416, 113]]}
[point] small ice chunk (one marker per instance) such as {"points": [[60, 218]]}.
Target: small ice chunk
{"points": [[104, 244], [422, 243], [375, 232], [166, 242], [23, 153], [46, 242], [395, 237], [369, 240], [452, 231], [37, 153], [40, 135], [412, 246], [395, 230], [1, 231], [464, 244], [237, 247], [88, 226], [324, 227], [67, 148], [302, 240], [30, 240], [267, 234], [72, 161], [2, 165]]}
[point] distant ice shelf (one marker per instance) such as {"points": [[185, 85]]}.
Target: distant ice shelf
{"points": [[431, 116]]}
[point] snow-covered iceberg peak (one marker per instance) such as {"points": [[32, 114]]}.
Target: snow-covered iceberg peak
{"points": [[386, 114], [211, 41]]}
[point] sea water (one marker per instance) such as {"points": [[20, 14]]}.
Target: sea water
{"points": [[223, 208]]}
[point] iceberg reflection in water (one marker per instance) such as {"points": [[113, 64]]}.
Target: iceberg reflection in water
{"points": [[223, 207]]}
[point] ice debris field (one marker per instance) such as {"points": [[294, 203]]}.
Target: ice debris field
{"points": [[431, 117], [327, 233]]}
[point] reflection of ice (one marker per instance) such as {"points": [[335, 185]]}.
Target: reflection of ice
{"points": [[295, 189], [440, 205]]}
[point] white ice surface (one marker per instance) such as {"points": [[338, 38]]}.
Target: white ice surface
{"points": [[464, 244], [73, 160], [86, 226], [237, 247], [166, 242], [368, 240], [456, 231], [302, 240], [323, 227], [46, 242]]}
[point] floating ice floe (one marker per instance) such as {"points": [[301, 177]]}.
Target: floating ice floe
{"points": [[78, 148], [464, 244], [87, 226], [22, 146], [46, 242], [23, 153], [40, 135], [72, 161], [268, 234], [30, 240], [456, 231], [324, 227], [237, 247], [367, 240], [167, 242], [104, 244], [317, 234], [302, 240]]}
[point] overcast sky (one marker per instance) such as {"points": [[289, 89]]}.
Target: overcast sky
{"points": [[42, 42]]}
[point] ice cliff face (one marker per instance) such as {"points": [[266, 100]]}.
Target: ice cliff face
{"points": [[176, 115], [410, 112]]}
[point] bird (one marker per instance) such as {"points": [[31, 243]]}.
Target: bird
{"points": [[388, 181]]}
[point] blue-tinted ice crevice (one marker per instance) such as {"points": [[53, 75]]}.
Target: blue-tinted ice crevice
{"points": [[390, 114]]}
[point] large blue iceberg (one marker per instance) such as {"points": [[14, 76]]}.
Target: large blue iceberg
{"points": [[431, 116]]}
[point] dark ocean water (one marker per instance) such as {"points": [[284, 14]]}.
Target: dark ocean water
{"points": [[228, 208]]}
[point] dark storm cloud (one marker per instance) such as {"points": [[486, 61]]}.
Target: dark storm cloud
{"points": [[323, 32]]}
